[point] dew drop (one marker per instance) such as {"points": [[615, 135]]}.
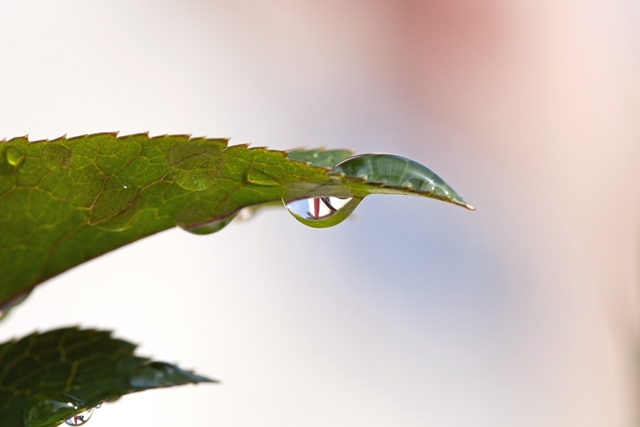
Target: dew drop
{"points": [[7, 306], [13, 156], [45, 412], [114, 209], [208, 228], [322, 212], [317, 208], [246, 214], [56, 156], [80, 419], [196, 164], [203, 216]]}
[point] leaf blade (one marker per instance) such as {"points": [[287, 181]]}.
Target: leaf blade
{"points": [[46, 378], [66, 201]]}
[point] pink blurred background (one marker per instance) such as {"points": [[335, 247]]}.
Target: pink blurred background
{"points": [[523, 313]]}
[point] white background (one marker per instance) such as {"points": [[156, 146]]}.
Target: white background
{"points": [[523, 313]]}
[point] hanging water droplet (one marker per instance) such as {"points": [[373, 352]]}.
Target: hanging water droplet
{"points": [[317, 208], [56, 156], [322, 212], [195, 219], [13, 156], [7, 306], [45, 412], [209, 228], [246, 214], [79, 419]]}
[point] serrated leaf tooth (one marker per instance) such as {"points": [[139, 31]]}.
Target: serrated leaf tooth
{"points": [[245, 146], [58, 139]]}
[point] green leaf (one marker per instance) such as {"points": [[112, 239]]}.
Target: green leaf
{"points": [[46, 378], [66, 201]]}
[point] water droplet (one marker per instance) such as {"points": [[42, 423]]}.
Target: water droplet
{"points": [[246, 214], [79, 419], [317, 208], [6, 307], [207, 228], [322, 212], [196, 164], [125, 182], [56, 156], [45, 412], [14, 156], [203, 216], [114, 209]]}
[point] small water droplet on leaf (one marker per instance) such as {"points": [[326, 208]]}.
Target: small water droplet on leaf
{"points": [[14, 156], [56, 156], [113, 209], [196, 164]]}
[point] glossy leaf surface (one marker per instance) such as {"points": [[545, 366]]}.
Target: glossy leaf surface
{"points": [[46, 378]]}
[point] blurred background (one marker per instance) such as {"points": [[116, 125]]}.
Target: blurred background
{"points": [[416, 313]]}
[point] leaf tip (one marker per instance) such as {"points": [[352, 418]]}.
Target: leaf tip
{"points": [[464, 205]]}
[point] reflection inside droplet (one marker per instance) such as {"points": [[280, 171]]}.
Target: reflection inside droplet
{"points": [[79, 419], [321, 212], [317, 208]]}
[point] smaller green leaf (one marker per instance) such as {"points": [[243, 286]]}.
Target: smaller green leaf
{"points": [[47, 378]]}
